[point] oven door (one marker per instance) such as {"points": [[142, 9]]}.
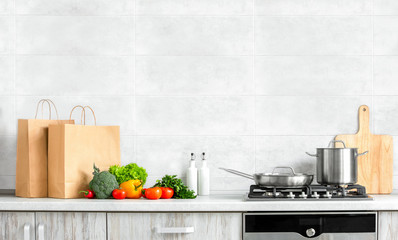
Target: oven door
{"points": [[320, 226]]}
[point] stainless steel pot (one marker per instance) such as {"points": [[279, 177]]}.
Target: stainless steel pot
{"points": [[337, 166], [275, 179]]}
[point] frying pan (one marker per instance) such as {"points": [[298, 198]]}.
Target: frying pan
{"points": [[275, 179]]}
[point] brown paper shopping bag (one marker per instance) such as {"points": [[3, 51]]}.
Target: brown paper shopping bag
{"points": [[31, 172], [73, 149]]}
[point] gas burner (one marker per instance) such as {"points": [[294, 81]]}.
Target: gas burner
{"points": [[310, 192]]}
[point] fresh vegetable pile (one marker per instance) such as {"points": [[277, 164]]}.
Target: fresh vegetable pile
{"points": [[180, 190], [129, 172], [128, 181]]}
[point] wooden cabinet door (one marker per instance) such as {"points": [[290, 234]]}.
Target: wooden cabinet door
{"points": [[70, 225], [17, 225], [388, 225], [170, 226]]}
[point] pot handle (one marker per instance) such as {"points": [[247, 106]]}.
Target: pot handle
{"points": [[360, 154], [312, 155], [335, 141], [238, 173]]}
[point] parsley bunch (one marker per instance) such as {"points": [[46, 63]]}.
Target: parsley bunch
{"points": [[180, 190]]}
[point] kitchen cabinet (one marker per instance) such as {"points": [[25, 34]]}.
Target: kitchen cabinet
{"points": [[388, 225], [170, 226], [17, 225], [70, 225]]}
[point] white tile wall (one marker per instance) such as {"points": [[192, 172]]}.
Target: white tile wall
{"points": [[311, 7], [175, 35], [74, 75], [253, 83], [308, 35], [75, 35], [192, 7], [5, 7], [80, 7], [190, 76]]}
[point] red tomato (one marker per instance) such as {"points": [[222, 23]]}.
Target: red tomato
{"points": [[153, 193], [143, 192], [167, 192], [119, 194]]}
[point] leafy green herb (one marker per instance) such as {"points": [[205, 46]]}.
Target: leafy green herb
{"points": [[129, 172], [180, 190]]}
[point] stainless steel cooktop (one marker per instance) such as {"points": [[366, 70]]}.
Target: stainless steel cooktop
{"points": [[308, 193]]}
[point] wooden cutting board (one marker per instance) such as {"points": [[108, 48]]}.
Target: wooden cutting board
{"points": [[375, 169]]}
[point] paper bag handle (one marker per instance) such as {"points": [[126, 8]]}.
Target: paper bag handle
{"points": [[83, 114], [49, 102]]}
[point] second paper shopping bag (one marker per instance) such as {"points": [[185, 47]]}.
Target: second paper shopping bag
{"points": [[72, 151]]}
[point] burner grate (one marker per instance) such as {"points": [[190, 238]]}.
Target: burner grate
{"points": [[313, 192]]}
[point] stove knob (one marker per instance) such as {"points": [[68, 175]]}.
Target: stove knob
{"points": [[290, 195], [315, 195], [310, 232], [328, 195], [303, 195]]}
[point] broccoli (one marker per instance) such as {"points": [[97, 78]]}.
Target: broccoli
{"points": [[103, 183]]}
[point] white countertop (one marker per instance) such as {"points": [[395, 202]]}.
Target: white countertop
{"points": [[224, 203]]}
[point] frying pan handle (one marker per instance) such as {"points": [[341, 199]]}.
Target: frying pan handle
{"points": [[360, 154], [238, 173], [312, 155], [281, 167]]}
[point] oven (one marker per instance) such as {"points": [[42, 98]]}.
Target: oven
{"points": [[310, 225]]}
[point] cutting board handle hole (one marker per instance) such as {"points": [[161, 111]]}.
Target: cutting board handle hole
{"points": [[364, 109]]}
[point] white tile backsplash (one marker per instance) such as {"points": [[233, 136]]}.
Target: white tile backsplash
{"points": [[8, 124], [6, 7], [386, 75], [7, 35], [75, 35], [189, 76], [72, 7], [313, 75], [7, 182], [386, 35], [195, 115], [193, 7], [8, 151], [179, 35], [253, 83], [311, 7], [386, 115], [72, 75], [385, 7], [6, 75], [313, 35], [308, 115]]}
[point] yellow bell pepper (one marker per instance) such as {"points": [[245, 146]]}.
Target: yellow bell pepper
{"points": [[133, 188]]}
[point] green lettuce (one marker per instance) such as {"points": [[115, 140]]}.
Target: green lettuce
{"points": [[129, 172]]}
